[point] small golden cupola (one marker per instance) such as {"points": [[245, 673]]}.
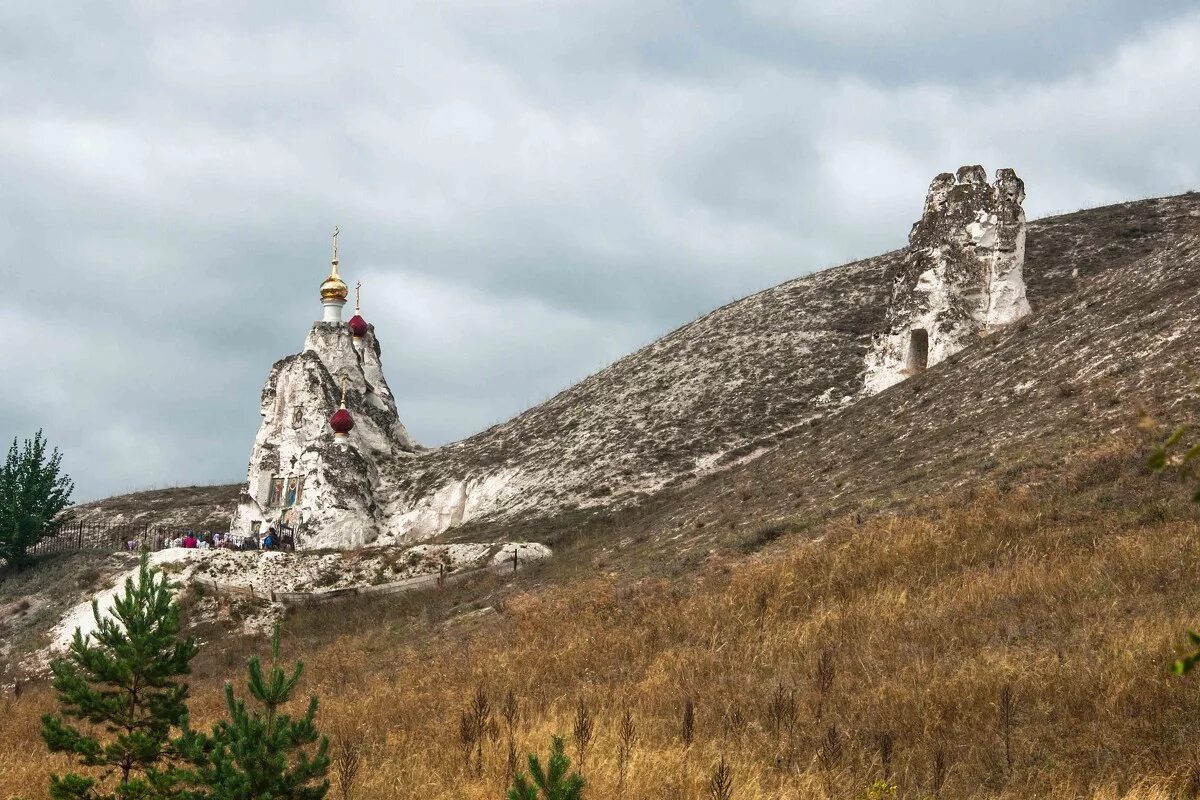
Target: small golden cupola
{"points": [[334, 290]]}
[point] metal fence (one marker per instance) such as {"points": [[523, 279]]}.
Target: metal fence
{"points": [[76, 535], [105, 536]]}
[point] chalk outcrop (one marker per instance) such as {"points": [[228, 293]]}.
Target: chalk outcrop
{"points": [[299, 476], [962, 275]]}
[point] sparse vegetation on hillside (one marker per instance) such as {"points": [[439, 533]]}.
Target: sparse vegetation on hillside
{"points": [[1006, 643], [1183, 455], [196, 507]]}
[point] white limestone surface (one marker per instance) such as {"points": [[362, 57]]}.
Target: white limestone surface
{"points": [[337, 506], [81, 616], [456, 502], [275, 571], [525, 552]]}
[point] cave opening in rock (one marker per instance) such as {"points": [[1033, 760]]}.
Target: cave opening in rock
{"points": [[918, 350]]}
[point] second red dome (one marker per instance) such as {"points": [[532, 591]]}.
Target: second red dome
{"points": [[341, 421]]}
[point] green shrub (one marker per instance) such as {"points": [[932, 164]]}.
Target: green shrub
{"points": [[261, 753], [552, 783]]}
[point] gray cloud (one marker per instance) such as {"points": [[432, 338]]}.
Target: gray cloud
{"points": [[528, 189]]}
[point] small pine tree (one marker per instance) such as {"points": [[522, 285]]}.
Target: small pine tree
{"points": [[32, 492], [261, 754], [553, 783], [121, 680]]}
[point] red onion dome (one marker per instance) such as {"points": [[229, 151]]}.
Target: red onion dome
{"points": [[341, 421], [358, 326]]}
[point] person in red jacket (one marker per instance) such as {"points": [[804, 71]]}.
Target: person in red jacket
{"points": [[189, 540]]}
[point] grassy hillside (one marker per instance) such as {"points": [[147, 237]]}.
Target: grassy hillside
{"points": [[990, 644], [1122, 344], [199, 507]]}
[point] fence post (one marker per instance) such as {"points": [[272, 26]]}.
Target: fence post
{"points": [[514, 559]]}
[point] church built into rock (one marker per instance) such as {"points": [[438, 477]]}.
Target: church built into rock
{"points": [[329, 422]]}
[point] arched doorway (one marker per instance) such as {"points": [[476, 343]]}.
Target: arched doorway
{"points": [[918, 350]]}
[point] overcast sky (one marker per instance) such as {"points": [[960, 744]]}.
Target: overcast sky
{"points": [[527, 190]]}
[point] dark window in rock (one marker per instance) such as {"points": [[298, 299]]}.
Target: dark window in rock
{"points": [[918, 349], [297, 417]]}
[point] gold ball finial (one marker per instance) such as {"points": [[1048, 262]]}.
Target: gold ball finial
{"points": [[334, 288]]}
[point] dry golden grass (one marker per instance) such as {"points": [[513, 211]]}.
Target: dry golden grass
{"points": [[1009, 646]]}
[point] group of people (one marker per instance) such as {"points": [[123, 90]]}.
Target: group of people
{"points": [[205, 541], [208, 540]]}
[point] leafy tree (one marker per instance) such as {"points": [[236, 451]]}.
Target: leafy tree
{"points": [[122, 682], [32, 492], [553, 783], [264, 754], [1175, 454]]}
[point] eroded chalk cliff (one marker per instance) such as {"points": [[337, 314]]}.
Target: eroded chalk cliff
{"points": [[961, 277]]}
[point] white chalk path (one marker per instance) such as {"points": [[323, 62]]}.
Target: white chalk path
{"points": [[81, 617]]}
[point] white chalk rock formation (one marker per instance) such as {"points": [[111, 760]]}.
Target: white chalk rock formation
{"points": [[961, 276], [299, 476], [455, 503]]}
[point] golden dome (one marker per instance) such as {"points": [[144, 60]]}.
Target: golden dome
{"points": [[334, 288]]}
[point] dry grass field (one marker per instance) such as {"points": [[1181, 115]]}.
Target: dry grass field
{"points": [[1009, 645]]}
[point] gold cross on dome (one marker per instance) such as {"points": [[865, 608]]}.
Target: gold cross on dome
{"points": [[336, 231]]}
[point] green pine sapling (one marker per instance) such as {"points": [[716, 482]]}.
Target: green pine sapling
{"points": [[262, 753], [553, 783], [121, 684]]}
